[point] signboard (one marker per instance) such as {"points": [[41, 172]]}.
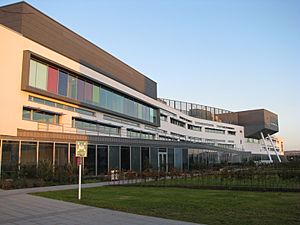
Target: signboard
{"points": [[81, 148]]}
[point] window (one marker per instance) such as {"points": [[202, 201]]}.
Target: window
{"points": [[66, 84], [177, 122], [195, 128], [231, 132], [139, 134], [40, 116], [61, 106], [163, 117], [216, 131], [95, 126]]}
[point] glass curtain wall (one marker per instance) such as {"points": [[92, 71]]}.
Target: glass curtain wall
{"points": [[90, 161], [45, 152], [10, 158], [114, 157], [136, 159], [178, 158], [170, 159], [28, 153], [102, 159], [154, 158], [61, 154], [145, 158], [125, 158]]}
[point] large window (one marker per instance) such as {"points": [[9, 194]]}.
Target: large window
{"points": [[139, 134], [102, 159], [114, 157], [28, 153], [61, 154], [135, 159], [125, 158], [57, 81], [90, 161], [95, 126], [40, 116]]}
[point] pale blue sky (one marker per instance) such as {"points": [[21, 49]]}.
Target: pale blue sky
{"points": [[235, 54]]}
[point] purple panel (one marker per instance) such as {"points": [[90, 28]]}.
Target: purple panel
{"points": [[80, 90], [88, 90]]}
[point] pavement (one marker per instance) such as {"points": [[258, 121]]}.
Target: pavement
{"points": [[18, 207]]}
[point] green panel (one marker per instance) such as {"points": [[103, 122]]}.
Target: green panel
{"points": [[96, 95], [32, 73], [42, 76], [72, 91]]}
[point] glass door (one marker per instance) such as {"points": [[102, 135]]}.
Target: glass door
{"points": [[162, 161]]}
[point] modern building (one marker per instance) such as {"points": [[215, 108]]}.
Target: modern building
{"points": [[57, 87]]}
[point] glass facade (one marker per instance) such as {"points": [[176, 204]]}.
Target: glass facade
{"points": [[145, 158], [57, 81], [28, 153], [154, 158], [135, 158], [10, 157], [178, 158], [102, 159], [45, 152], [61, 154], [114, 157], [170, 159], [125, 158], [90, 161]]}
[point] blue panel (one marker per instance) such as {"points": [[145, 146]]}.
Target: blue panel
{"points": [[63, 83]]}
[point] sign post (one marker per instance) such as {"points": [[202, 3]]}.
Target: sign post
{"points": [[81, 151]]}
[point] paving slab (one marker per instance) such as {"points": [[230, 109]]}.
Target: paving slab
{"points": [[17, 207]]}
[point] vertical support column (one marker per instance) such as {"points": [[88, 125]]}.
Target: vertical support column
{"points": [[37, 153], [69, 153], [273, 145], [120, 155], [108, 159], [141, 159], [96, 160], [53, 155], [263, 138], [130, 157], [1, 143], [19, 158]]}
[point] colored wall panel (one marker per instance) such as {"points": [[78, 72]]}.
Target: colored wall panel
{"points": [[63, 83], [96, 95], [41, 76], [80, 90], [32, 73], [88, 90], [52, 80], [72, 91]]}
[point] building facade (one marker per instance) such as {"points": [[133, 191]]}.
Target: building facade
{"points": [[57, 88]]}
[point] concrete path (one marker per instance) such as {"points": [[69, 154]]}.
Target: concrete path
{"points": [[17, 207]]}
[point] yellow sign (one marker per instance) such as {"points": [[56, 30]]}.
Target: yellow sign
{"points": [[81, 148]]}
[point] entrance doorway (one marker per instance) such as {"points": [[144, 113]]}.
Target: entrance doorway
{"points": [[162, 161]]}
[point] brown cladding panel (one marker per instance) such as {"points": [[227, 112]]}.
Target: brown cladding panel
{"points": [[11, 17], [45, 31]]}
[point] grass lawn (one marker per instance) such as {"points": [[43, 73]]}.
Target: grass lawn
{"points": [[200, 206]]}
